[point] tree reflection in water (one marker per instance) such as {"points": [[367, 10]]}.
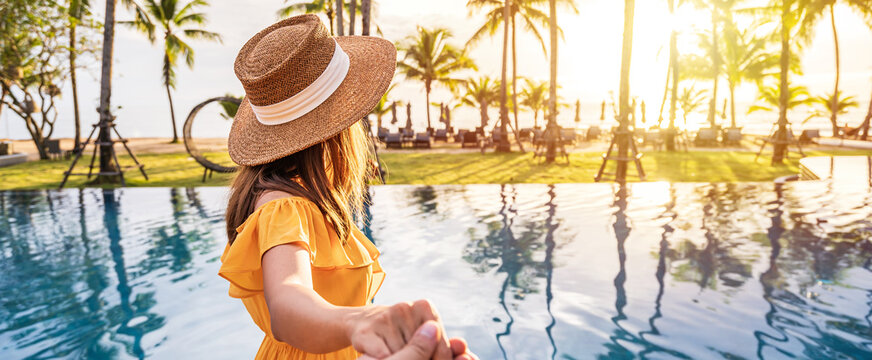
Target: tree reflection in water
{"points": [[515, 255]]}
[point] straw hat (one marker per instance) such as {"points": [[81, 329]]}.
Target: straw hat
{"points": [[303, 86]]}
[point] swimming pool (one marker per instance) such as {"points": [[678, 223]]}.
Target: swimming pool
{"points": [[574, 271]]}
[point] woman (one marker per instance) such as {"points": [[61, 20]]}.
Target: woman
{"points": [[304, 271]]}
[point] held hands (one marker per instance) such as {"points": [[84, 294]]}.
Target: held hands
{"points": [[403, 328]]}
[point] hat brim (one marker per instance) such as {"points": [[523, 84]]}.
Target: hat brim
{"points": [[372, 65]]}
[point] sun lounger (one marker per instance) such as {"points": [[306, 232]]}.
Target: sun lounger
{"points": [[808, 135], [394, 141], [441, 135], [470, 140], [4, 148], [408, 134], [732, 136], [706, 137], [383, 134], [422, 141], [593, 133]]}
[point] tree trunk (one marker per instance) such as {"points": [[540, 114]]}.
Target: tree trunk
{"points": [[673, 103], [78, 130], [535, 119], [352, 13], [484, 118], [866, 122], [172, 115], [624, 99], [106, 118], [732, 86], [834, 101], [503, 145], [340, 13], [365, 7], [330, 17], [551, 123], [780, 148], [427, 89], [515, 74], [716, 67]]}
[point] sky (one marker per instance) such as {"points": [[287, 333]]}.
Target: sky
{"points": [[589, 65]]}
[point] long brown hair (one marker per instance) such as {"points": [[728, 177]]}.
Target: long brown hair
{"points": [[332, 174]]}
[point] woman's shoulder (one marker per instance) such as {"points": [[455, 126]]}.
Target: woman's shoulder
{"points": [[273, 197]]}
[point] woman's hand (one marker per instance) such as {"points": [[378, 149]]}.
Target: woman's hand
{"points": [[423, 345], [379, 331]]}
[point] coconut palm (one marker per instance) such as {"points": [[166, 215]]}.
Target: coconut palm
{"points": [[624, 96], [178, 24], [429, 58], [769, 98], [77, 11], [533, 97], [746, 58], [310, 7], [825, 107], [383, 107], [530, 15], [690, 100], [480, 93]]}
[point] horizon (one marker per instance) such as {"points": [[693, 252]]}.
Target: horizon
{"points": [[588, 60]]}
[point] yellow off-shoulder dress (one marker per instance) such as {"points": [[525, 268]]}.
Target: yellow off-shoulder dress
{"points": [[344, 275]]}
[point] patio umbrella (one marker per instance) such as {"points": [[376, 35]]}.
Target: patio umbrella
{"points": [[448, 118], [409, 116], [603, 111], [394, 113], [643, 113], [577, 110], [442, 112]]}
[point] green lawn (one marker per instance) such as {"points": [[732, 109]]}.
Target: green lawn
{"points": [[179, 170]]}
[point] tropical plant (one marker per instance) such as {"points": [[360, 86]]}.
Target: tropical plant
{"points": [[178, 24], [531, 17], [824, 106], [746, 58], [533, 97], [769, 98], [480, 93], [32, 65], [309, 7], [429, 57], [79, 13], [383, 107], [690, 100]]}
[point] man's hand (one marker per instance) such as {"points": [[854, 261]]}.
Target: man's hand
{"points": [[423, 345]]}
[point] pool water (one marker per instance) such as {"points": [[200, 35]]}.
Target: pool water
{"points": [[574, 271]]}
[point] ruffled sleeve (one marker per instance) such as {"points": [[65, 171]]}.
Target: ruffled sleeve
{"points": [[288, 221]]}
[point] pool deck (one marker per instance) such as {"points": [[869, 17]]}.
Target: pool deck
{"points": [[836, 168]]}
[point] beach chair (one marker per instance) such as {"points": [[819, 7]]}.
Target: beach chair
{"points": [[383, 134], [807, 136], [470, 140], [654, 138], [568, 136], [53, 148], [4, 148], [733, 136], [706, 137], [458, 137], [526, 134], [441, 135], [593, 133], [431, 131], [422, 141], [394, 141], [408, 135]]}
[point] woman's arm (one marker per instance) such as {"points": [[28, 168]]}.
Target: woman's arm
{"points": [[302, 318]]}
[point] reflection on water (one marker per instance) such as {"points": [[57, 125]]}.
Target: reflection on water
{"points": [[651, 270]]}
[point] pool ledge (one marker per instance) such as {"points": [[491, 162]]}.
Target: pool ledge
{"points": [[835, 167]]}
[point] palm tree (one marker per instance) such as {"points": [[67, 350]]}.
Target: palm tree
{"points": [[551, 130], [104, 136], [383, 107], [340, 24], [365, 14], [624, 97], [674, 69], [310, 7], [533, 97], [825, 105], [178, 23], [429, 58], [746, 58], [690, 100], [480, 93], [769, 98], [531, 17], [77, 11]]}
